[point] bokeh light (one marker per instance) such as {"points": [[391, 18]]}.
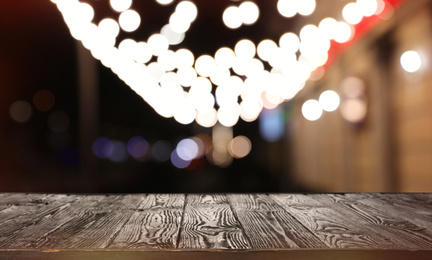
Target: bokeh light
{"points": [[158, 44], [353, 110], [186, 76], [173, 37], [245, 49], [187, 149], [103, 147], [266, 49], [228, 115], [271, 124], [343, 32], [179, 23], [287, 8], [184, 58], [129, 20], [329, 100], [367, 7], [142, 52], [279, 74], [120, 5], [20, 111], [353, 87], [221, 137], [224, 57], [177, 161], [249, 12], [231, 17], [306, 7], [311, 110], [188, 10], [410, 61], [205, 65], [289, 42], [138, 147], [240, 147], [328, 27], [207, 118], [164, 2], [351, 13], [119, 153], [109, 27]]}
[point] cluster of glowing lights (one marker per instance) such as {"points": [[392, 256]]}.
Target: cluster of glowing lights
{"points": [[181, 156], [313, 109], [354, 105], [247, 13], [289, 8], [354, 12], [179, 85]]}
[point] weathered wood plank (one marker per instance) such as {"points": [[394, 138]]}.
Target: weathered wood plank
{"points": [[332, 227], [394, 208], [208, 222], [55, 228], [105, 223], [397, 230], [18, 204], [213, 223], [27, 213], [163, 201], [155, 224], [268, 225], [421, 203]]}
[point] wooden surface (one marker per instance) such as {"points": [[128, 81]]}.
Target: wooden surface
{"points": [[216, 226]]}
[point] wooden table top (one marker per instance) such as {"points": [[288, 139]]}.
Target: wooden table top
{"points": [[215, 226]]}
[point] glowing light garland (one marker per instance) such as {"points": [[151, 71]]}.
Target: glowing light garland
{"points": [[179, 85]]}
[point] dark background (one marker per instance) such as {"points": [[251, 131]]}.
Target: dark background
{"points": [[38, 53]]}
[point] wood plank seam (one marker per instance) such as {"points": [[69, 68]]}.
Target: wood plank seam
{"points": [[248, 240], [181, 221], [292, 216], [113, 237]]}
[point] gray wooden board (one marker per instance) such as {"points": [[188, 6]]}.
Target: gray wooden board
{"points": [[232, 226], [268, 225], [62, 227], [329, 225], [394, 208], [155, 223], [108, 221], [23, 214], [208, 222], [396, 229]]}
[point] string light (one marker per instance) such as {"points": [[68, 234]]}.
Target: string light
{"points": [[288, 73]]}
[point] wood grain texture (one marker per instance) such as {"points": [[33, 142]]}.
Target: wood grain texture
{"points": [[208, 222], [400, 231], [105, 223], [155, 224], [329, 225], [28, 211], [268, 225], [396, 208], [59, 229], [252, 223]]}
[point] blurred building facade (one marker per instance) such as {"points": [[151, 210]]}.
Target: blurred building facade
{"points": [[384, 141]]}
